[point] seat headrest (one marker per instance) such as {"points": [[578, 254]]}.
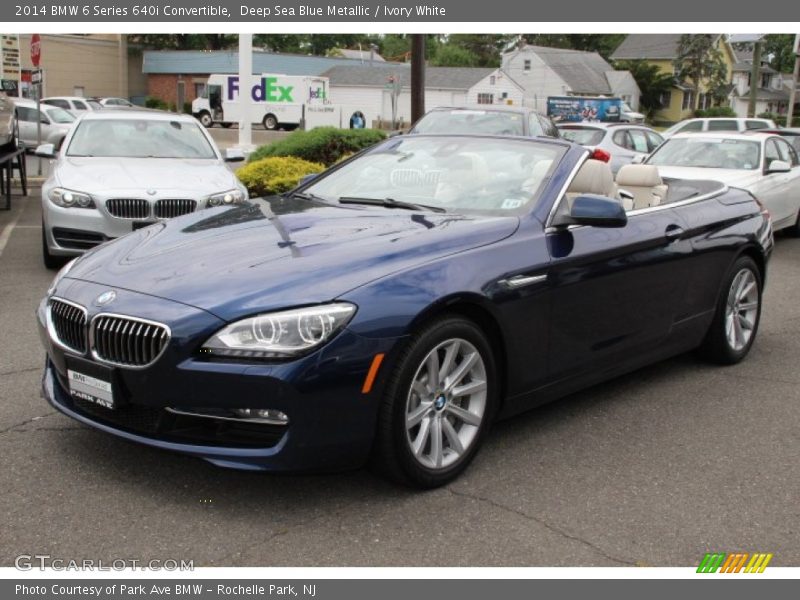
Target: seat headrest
{"points": [[638, 176], [594, 177]]}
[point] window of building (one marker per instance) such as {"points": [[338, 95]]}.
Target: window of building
{"points": [[526, 65], [665, 98], [688, 100], [484, 98], [492, 80], [78, 90]]}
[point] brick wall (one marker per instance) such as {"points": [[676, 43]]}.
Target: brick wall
{"points": [[165, 86]]}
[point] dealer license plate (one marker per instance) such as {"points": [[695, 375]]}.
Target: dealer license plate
{"points": [[91, 389]]}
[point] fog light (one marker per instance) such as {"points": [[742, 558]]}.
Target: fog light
{"points": [[263, 415]]}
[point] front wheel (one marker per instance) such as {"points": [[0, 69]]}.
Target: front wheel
{"points": [[205, 120], [438, 404], [738, 313]]}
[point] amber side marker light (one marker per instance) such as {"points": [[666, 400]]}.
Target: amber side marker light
{"points": [[372, 373]]}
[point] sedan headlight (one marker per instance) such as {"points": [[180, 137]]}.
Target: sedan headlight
{"points": [[59, 276], [281, 334], [70, 199], [229, 197]]}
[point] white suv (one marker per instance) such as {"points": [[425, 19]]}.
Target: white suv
{"points": [[733, 124]]}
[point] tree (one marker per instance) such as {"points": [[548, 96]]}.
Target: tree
{"points": [[778, 48], [448, 55], [652, 82], [185, 41], [698, 62], [485, 48]]}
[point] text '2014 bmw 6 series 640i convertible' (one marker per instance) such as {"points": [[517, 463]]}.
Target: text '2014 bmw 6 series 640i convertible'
{"points": [[393, 307]]}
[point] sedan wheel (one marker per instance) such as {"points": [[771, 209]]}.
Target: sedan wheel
{"points": [[733, 330], [438, 404]]}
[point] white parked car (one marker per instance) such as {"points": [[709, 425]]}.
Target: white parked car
{"points": [[119, 170], [56, 123], [115, 102], [711, 124], [764, 164], [625, 142], [74, 104]]}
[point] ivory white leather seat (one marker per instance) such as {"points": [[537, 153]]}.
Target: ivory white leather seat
{"points": [[644, 182], [594, 177]]}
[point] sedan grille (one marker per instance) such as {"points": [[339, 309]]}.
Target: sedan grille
{"points": [[126, 341], [128, 208], [166, 209], [69, 325]]}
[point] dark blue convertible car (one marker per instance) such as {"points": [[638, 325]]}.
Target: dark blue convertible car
{"points": [[392, 308]]}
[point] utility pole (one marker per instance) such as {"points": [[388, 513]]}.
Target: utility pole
{"points": [[795, 78], [417, 76], [754, 77], [245, 75]]}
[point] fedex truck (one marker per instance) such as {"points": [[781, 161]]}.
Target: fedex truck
{"points": [[272, 100]]}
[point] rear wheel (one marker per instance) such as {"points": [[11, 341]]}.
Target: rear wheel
{"points": [[205, 119], [738, 313], [270, 122], [794, 230], [438, 404]]}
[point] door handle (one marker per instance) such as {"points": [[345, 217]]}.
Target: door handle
{"points": [[674, 232], [521, 281]]}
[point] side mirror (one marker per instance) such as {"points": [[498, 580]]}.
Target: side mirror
{"points": [[234, 155], [594, 211], [46, 151], [639, 159], [307, 179], [395, 133], [779, 166]]}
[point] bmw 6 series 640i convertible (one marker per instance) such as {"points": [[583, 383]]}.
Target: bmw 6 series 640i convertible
{"points": [[393, 307]]}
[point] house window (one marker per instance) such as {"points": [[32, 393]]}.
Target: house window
{"points": [[492, 80], [485, 98], [665, 98], [504, 96], [526, 66], [688, 100]]}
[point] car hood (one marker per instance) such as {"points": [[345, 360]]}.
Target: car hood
{"points": [[732, 177], [100, 175], [275, 252]]}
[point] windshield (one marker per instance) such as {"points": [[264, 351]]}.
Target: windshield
{"points": [[471, 121], [708, 153], [59, 115], [139, 138], [585, 136], [451, 173]]}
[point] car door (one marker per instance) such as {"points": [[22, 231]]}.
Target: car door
{"points": [[791, 190], [27, 125], [615, 291], [773, 189]]}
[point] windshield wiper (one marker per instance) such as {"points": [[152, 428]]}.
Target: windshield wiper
{"points": [[304, 196], [390, 203]]}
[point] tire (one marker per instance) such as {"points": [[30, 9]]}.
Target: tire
{"points": [[270, 122], [736, 319], [50, 262], [205, 119], [227, 125], [427, 437], [794, 230]]}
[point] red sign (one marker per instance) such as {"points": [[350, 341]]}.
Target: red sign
{"points": [[36, 49]]}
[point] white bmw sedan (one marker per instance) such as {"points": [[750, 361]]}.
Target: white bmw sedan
{"points": [[765, 165], [124, 169]]}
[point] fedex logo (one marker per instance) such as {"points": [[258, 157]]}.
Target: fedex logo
{"points": [[316, 93], [266, 90]]}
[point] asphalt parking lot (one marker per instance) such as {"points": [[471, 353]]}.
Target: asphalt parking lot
{"points": [[652, 469]]}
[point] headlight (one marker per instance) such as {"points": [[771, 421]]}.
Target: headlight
{"points": [[59, 276], [70, 199], [229, 197], [281, 334]]}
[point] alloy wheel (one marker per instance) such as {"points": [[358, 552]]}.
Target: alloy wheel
{"points": [[741, 310]]}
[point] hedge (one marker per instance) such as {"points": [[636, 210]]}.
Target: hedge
{"points": [[780, 120], [324, 145], [275, 175]]}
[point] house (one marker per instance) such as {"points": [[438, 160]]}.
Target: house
{"points": [[661, 49], [544, 71], [180, 76], [365, 55], [772, 92], [371, 87]]}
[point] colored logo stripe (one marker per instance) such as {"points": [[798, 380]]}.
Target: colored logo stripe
{"points": [[734, 562]]}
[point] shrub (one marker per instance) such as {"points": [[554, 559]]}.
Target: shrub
{"points": [[276, 174], [153, 102], [187, 108], [715, 111], [780, 120], [324, 145]]}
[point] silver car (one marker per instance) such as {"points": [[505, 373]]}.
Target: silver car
{"points": [[623, 141], [56, 123], [125, 169]]}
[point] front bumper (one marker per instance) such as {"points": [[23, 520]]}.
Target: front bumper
{"points": [[331, 423]]}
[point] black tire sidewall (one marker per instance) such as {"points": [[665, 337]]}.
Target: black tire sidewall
{"points": [[399, 386]]}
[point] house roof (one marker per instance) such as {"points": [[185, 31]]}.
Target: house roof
{"points": [[360, 55], [744, 62], [583, 72], [767, 94], [654, 46], [188, 62], [450, 78]]}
